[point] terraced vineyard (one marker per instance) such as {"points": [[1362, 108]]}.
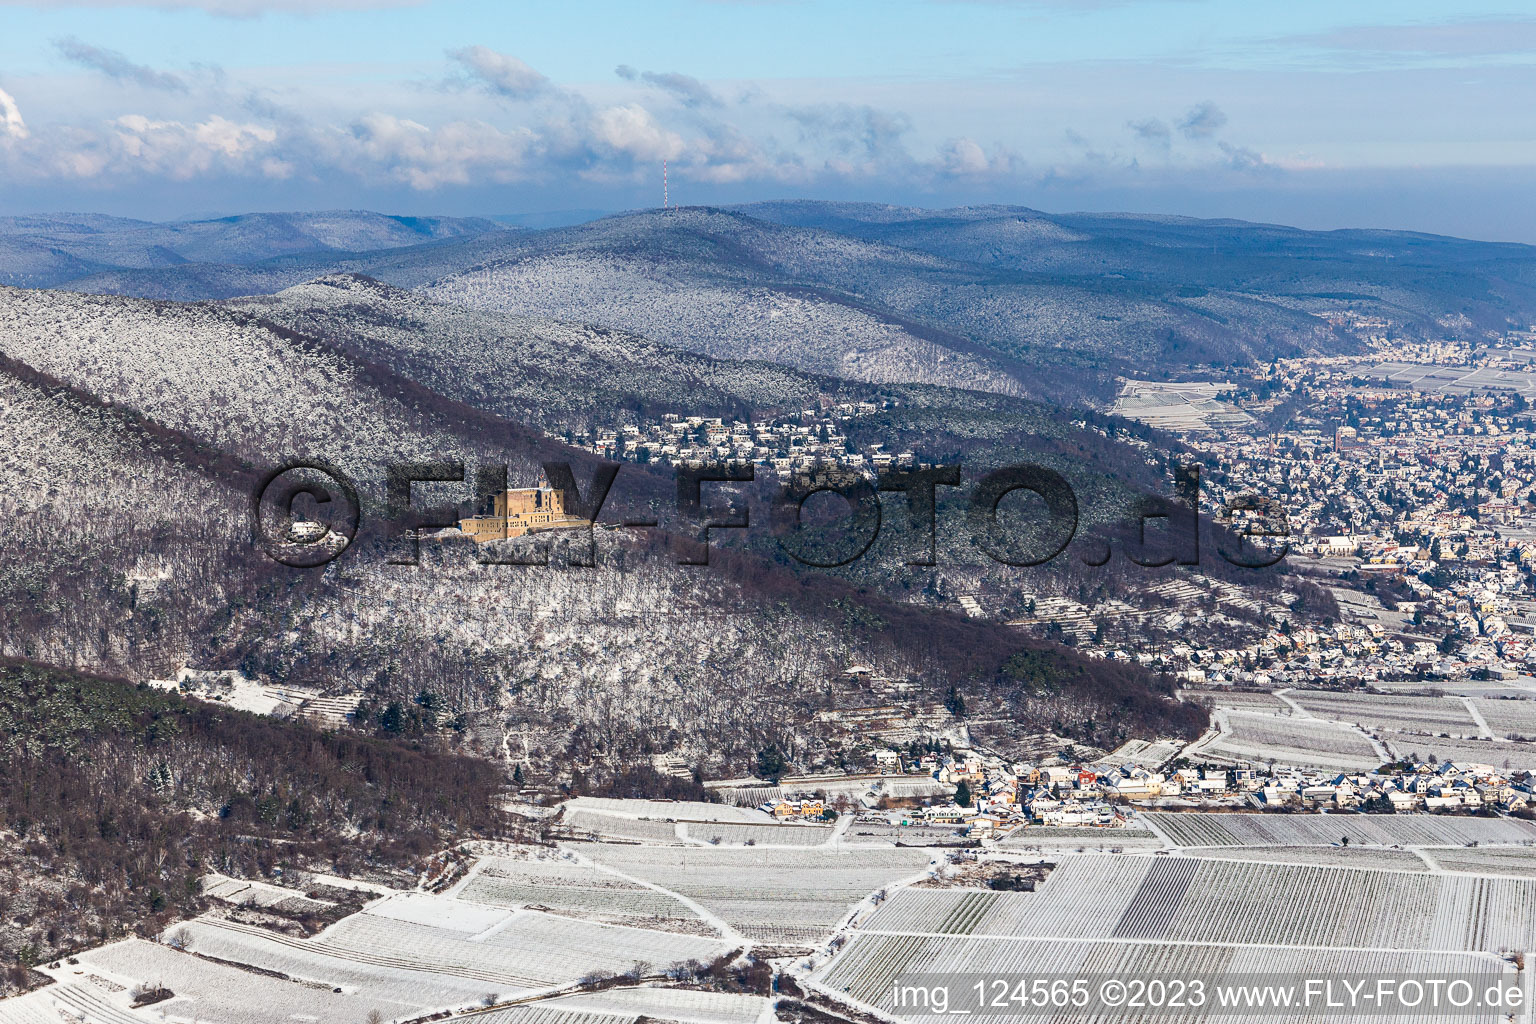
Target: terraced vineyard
{"points": [[944, 912], [259, 894], [750, 796], [1325, 829]]}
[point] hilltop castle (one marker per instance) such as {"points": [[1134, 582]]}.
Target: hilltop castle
{"points": [[522, 511]]}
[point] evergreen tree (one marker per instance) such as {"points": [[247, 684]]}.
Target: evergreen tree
{"points": [[771, 763], [954, 703]]}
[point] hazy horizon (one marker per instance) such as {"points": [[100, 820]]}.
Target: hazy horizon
{"points": [[539, 219], [1375, 115]]}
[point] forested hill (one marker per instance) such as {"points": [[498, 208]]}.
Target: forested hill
{"points": [[118, 797], [1007, 299]]}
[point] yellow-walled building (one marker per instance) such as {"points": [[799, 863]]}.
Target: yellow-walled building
{"points": [[522, 511]]}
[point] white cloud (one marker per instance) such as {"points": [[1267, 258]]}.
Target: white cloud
{"points": [[502, 73], [965, 158], [1241, 158], [11, 124], [551, 135], [457, 153], [632, 130], [181, 151]]}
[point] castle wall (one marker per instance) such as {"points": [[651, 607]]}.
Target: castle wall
{"points": [[519, 512]]}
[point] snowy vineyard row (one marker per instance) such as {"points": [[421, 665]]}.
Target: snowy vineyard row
{"points": [[867, 968], [1191, 900], [1323, 829]]}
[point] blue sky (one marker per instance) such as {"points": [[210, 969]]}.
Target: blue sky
{"points": [[1318, 114]]}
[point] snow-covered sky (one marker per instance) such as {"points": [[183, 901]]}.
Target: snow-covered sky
{"points": [[1395, 114]]}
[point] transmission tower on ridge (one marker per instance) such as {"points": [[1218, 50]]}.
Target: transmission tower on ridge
{"points": [[664, 200]]}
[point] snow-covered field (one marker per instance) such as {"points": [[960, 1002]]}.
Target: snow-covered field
{"points": [[1508, 756], [671, 822], [569, 886], [1172, 916], [1508, 718], [670, 810], [770, 895], [546, 1013], [787, 834], [1237, 700], [1520, 862], [295, 958], [685, 1005], [867, 967], [1336, 856], [1146, 753], [1298, 741], [612, 826], [407, 955], [1261, 894], [1195, 900], [1177, 406], [208, 991], [1407, 714], [1324, 829], [79, 994], [259, 894]]}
